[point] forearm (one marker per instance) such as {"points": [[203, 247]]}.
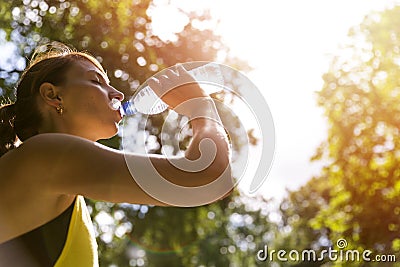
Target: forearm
{"points": [[207, 127], [207, 156]]}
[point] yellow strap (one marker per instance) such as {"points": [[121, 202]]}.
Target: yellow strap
{"points": [[80, 248]]}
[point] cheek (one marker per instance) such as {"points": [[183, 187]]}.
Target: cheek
{"points": [[82, 106], [95, 111], [87, 102]]}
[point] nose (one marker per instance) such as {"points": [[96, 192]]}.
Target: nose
{"points": [[114, 93]]}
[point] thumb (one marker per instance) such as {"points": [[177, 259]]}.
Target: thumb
{"points": [[180, 69], [154, 84]]}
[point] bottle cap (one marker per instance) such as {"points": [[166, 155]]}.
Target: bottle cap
{"points": [[127, 109]]}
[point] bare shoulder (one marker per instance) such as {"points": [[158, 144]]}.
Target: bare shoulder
{"points": [[19, 164], [47, 142], [53, 146], [23, 192], [38, 156], [26, 170], [42, 145], [46, 159], [61, 164]]}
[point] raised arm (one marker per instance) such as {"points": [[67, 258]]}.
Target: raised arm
{"points": [[69, 165]]}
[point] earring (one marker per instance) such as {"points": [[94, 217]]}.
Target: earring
{"points": [[60, 109]]}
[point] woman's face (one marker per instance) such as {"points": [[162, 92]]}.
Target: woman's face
{"points": [[86, 98]]}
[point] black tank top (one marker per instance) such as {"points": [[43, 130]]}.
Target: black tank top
{"points": [[40, 247]]}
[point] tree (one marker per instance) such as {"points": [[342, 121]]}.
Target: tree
{"points": [[294, 231], [359, 97]]}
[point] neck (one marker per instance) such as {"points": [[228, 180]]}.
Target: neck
{"points": [[59, 126]]}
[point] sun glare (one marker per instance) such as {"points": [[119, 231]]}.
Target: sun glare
{"points": [[167, 20], [289, 44]]}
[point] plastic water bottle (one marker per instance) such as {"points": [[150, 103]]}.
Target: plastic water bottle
{"points": [[146, 101]]}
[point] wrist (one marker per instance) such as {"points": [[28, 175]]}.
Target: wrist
{"points": [[203, 108], [205, 115]]}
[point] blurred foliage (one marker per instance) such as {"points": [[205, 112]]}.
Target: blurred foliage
{"points": [[357, 194], [226, 233], [360, 99], [118, 33], [294, 231]]}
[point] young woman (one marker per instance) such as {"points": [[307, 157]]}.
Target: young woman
{"points": [[49, 158]]}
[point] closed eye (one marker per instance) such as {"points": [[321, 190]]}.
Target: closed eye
{"points": [[97, 78], [96, 82]]}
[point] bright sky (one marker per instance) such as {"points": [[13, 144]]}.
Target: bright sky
{"points": [[289, 46], [288, 42]]}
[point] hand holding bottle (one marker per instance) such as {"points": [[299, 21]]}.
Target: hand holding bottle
{"points": [[146, 101], [179, 90]]}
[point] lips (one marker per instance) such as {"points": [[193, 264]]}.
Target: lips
{"points": [[120, 114], [115, 104]]}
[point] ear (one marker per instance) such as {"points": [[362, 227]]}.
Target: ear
{"points": [[50, 94]]}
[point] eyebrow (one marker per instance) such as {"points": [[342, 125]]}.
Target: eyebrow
{"points": [[100, 75]]}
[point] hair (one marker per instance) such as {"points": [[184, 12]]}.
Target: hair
{"points": [[22, 119]]}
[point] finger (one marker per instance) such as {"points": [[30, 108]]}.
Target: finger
{"points": [[163, 80], [170, 73], [154, 84], [180, 69], [163, 77]]}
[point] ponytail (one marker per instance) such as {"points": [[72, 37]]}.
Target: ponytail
{"points": [[8, 137]]}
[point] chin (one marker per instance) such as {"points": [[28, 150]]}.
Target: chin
{"points": [[114, 130], [109, 133]]}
